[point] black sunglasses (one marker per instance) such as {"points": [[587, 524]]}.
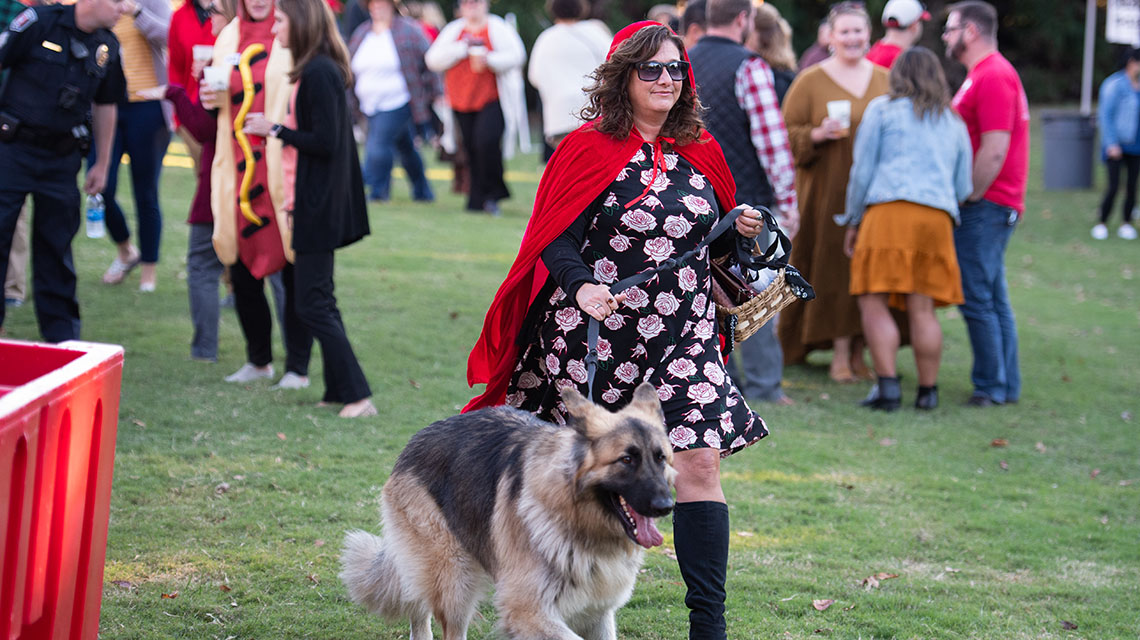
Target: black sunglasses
{"points": [[651, 71]]}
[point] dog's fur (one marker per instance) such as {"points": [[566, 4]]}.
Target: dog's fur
{"points": [[499, 498]]}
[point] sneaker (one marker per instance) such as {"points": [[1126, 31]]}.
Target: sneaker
{"points": [[1099, 232], [146, 287], [249, 372], [291, 381], [1126, 232]]}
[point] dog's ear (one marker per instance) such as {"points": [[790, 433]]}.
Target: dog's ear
{"points": [[579, 409], [645, 400]]}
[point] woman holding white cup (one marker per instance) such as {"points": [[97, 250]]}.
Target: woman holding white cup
{"points": [[481, 59], [251, 228], [822, 110]]}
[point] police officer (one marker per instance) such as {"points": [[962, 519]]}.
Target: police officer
{"points": [[63, 85]]}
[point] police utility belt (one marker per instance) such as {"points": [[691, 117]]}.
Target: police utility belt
{"points": [[13, 130]]}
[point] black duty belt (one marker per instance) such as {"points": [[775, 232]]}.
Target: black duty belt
{"points": [[61, 143]]}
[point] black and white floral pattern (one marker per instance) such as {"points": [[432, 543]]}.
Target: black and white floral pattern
{"points": [[664, 332]]}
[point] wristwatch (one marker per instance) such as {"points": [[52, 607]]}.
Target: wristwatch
{"points": [[275, 130]]}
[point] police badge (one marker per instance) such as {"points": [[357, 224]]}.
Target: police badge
{"points": [[102, 54]]}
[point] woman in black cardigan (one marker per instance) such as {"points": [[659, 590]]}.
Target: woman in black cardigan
{"points": [[328, 207]]}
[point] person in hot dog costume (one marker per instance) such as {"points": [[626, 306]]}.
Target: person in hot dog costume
{"points": [[251, 226]]}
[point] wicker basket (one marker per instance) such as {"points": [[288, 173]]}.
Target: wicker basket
{"points": [[744, 320]]}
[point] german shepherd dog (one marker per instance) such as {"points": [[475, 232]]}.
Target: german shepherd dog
{"points": [[554, 518]]}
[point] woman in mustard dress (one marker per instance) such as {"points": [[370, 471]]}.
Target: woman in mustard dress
{"points": [[822, 145]]}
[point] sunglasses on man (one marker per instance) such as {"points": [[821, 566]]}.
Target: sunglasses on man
{"points": [[651, 71]]}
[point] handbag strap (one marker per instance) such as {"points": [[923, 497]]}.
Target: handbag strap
{"points": [[593, 329]]}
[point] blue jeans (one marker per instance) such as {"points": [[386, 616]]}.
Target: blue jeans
{"points": [[981, 241], [142, 134], [390, 132], [761, 362]]}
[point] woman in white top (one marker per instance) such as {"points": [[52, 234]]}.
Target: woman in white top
{"points": [[561, 61], [394, 89]]}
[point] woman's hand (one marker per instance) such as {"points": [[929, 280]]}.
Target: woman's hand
{"points": [[196, 68], [849, 241], [210, 98], [256, 124], [596, 301], [829, 129], [749, 223]]}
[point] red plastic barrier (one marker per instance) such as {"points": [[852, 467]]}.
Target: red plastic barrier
{"points": [[59, 411]]}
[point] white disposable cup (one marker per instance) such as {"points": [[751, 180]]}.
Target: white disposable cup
{"points": [[840, 110], [216, 78], [203, 52], [478, 51]]}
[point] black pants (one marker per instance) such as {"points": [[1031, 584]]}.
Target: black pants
{"points": [[482, 133], [257, 324], [316, 307], [50, 179], [1132, 163]]}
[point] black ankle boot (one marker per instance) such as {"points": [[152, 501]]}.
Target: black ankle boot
{"points": [[886, 395], [700, 537], [927, 398]]}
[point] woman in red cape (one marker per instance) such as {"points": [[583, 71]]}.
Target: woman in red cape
{"points": [[640, 183]]}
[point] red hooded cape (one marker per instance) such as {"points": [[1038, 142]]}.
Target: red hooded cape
{"points": [[585, 163]]}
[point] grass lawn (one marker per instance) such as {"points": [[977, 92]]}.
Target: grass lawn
{"points": [[230, 502]]}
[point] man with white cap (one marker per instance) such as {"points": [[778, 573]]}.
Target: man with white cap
{"points": [[903, 20]]}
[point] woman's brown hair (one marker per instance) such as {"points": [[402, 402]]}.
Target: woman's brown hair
{"points": [[312, 32], [772, 36], [917, 74], [848, 9], [609, 101]]}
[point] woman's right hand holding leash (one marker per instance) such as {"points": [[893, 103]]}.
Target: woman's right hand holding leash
{"points": [[596, 301]]}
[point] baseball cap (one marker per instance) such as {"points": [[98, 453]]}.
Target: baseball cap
{"points": [[900, 14]]}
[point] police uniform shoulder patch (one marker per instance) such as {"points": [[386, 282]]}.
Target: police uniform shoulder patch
{"points": [[21, 22], [102, 54]]}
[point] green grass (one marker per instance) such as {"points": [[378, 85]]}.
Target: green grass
{"points": [[236, 498]]}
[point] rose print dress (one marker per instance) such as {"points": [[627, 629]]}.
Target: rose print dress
{"points": [[665, 331]]}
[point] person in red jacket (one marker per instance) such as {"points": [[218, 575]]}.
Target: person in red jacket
{"points": [[189, 28]]}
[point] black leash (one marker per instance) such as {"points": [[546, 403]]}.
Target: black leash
{"points": [[621, 285]]}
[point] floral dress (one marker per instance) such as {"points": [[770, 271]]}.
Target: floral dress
{"points": [[664, 333]]}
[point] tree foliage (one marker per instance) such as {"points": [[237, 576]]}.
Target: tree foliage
{"points": [[1044, 39]]}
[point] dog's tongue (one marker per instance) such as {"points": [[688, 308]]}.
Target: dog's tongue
{"points": [[647, 534]]}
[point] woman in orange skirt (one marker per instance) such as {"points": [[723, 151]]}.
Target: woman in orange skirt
{"points": [[912, 167]]}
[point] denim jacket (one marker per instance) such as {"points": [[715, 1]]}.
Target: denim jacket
{"points": [[1118, 113], [899, 157]]}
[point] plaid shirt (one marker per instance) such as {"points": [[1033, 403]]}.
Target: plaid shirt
{"points": [[411, 44], [756, 94]]}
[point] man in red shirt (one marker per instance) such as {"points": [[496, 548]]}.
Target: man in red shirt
{"points": [[903, 20], [993, 105]]}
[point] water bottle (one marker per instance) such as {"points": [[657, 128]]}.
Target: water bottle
{"points": [[95, 210]]}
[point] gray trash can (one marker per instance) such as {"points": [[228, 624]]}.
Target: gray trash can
{"points": [[1068, 149]]}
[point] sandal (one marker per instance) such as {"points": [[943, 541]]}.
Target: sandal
{"points": [[362, 409], [842, 376], [118, 270]]}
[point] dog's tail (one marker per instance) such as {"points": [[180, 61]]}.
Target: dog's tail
{"points": [[372, 578]]}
